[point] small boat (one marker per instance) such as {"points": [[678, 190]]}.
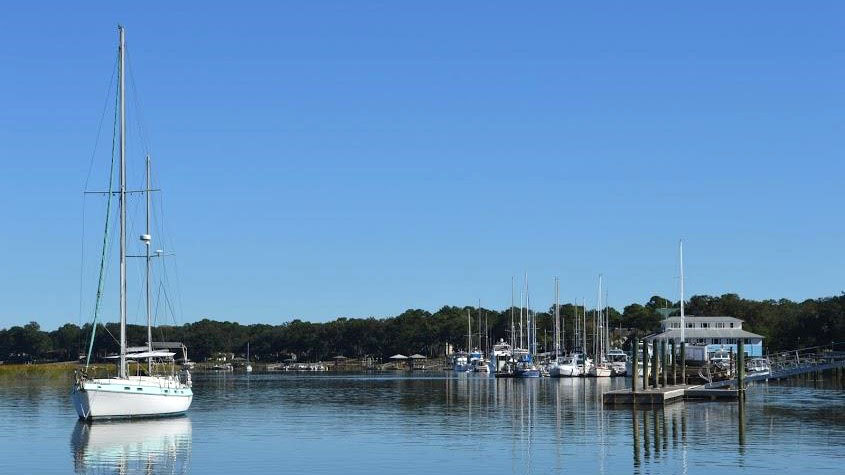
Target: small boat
{"points": [[480, 366], [222, 367], [248, 365], [524, 367], [759, 366], [500, 356], [460, 362], [567, 366], [618, 362], [601, 370]]}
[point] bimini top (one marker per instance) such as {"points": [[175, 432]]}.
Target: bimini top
{"points": [[145, 354]]}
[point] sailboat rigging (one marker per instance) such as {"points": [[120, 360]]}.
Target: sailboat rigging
{"points": [[128, 395]]}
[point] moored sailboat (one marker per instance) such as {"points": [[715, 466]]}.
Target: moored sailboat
{"points": [[156, 390]]}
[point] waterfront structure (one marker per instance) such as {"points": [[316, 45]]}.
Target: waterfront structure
{"points": [[706, 336]]}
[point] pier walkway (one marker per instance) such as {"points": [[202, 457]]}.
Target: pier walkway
{"points": [[667, 395], [792, 363]]}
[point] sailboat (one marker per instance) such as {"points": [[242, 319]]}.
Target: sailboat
{"points": [[601, 368], [248, 364], [160, 391]]}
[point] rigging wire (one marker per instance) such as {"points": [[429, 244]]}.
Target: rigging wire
{"points": [[85, 187], [105, 247]]}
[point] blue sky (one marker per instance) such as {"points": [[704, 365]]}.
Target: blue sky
{"points": [[326, 159]]}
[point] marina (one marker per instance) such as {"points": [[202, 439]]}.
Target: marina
{"points": [[422, 238], [518, 426]]}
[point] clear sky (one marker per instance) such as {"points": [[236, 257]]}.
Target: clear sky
{"points": [[326, 159]]}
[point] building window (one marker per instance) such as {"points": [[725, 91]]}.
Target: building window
{"points": [[690, 325], [732, 324], [703, 325], [717, 341]]}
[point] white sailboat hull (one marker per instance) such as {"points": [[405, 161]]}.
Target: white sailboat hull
{"points": [[105, 399], [565, 371]]}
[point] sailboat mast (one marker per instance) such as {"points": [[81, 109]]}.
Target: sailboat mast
{"points": [[512, 328], [469, 332], [480, 334], [681, 252], [557, 321], [147, 238], [521, 326], [599, 319], [122, 54], [584, 325]]}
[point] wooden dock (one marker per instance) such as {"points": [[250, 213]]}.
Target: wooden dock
{"points": [[667, 395]]}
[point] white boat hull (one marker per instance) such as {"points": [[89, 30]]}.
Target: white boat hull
{"points": [[565, 371], [104, 400]]}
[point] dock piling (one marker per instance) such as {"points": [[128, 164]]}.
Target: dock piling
{"points": [[673, 356], [655, 364], [663, 349], [645, 365], [683, 363], [740, 365], [634, 366]]}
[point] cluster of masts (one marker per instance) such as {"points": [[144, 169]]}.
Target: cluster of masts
{"points": [[523, 322]]}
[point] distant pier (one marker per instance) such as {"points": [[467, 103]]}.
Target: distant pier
{"points": [[667, 395]]}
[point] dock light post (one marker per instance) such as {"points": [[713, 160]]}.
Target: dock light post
{"points": [[645, 365], [683, 363], [740, 365], [635, 365], [673, 356]]}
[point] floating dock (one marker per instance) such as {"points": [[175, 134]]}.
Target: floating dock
{"points": [[667, 395]]}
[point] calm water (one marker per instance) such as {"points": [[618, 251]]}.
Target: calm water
{"points": [[435, 423]]}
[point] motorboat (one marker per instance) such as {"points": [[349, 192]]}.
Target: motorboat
{"points": [[759, 366], [567, 366], [460, 362], [618, 362], [500, 356], [524, 366]]}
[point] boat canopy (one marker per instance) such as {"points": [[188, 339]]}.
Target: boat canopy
{"points": [[145, 354]]}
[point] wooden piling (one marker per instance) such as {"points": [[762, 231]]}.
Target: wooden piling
{"points": [[655, 364], [635, 366], [740, 365], [645, 365], [664, 346], [674, 372], [683, 362]]}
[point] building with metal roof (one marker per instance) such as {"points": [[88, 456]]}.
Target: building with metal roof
{"points": [[707, 335]]}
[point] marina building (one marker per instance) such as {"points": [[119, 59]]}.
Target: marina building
{"points": [[707, 335]]}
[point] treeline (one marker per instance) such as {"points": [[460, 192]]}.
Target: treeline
{"points": [[784, 323]]}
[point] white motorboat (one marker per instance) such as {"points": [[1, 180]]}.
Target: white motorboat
{"points": [[568, 366], [157, 389], [460, 362], [500, 356], [759, 366], [618, 362]]}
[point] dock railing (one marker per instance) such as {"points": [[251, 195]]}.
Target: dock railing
{"points": [[793, 362]]}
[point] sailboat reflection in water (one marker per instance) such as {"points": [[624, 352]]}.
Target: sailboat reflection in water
{"points": [[144, 446]]}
